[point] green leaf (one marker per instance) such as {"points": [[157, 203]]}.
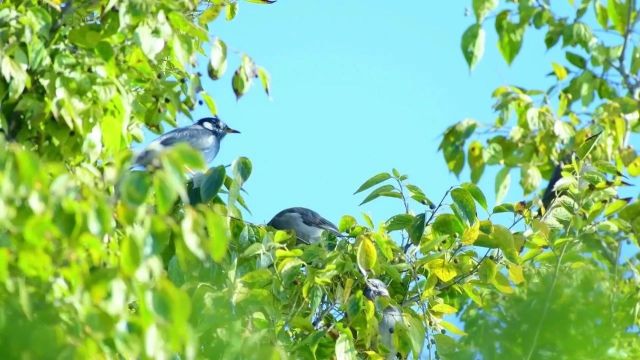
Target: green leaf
{"points": [[464, 200], [503, 181], [417, 228], [374, 180], [217, 59], [377, 193], [476, 193], [509, 36], [85, 36], [444, 270], [473, 44], [559, 70], [130, 255], [399, 222], [585, 148], [416, 333], [265, 79], [232, 10], [617, 11], [240, 83], [444, 308], [345, 350], [635, 60], [475, 158], [166, 195], [210, 14], [135, 187], [483, 7], [503, 208], [213, 180], [515, 274], [217, 228], [367, 254], [242, 169], [504, 239], [576, 60], [530, 178], [471, 234], [601, 14], [211, 105], [346, 223], [452, 328], [448, 224], [634, 167], [149, 41]]}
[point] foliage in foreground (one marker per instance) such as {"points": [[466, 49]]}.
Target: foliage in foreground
{"points": [[97, 261]]}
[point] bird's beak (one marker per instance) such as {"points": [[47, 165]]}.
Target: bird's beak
{"points": [[231, 131]]}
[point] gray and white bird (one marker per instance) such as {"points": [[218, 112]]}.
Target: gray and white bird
{"points": [[374, 289], [308, 225], [391, 315], [205, 136]]}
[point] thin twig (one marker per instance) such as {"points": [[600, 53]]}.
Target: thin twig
{"points": [[470, 273], [627, 34], [433, 213]]}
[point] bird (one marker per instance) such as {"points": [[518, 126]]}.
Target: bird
{"points": [[374, 289], [204, 136], [308, 225], [391, 315]]}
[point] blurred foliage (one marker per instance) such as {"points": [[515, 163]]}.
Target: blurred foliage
{"points": [[100, 262]]}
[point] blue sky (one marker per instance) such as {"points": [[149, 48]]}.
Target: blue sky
{"points": [[357, 89]]}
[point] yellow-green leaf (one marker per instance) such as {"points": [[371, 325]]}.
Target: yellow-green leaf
{"points": [[452, 328], [516, 274], [367, 254], [444, 308], [471, 233], [444, 270]]}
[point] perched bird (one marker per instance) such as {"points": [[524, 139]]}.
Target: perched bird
{"points": [[374, 289], [205, 136], [391, 315], [308, 224]]}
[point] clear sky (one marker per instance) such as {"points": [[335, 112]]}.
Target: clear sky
{"points": [[357, 88]]}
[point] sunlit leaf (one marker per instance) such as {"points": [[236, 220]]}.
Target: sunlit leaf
{"points": [[367, 254], [344, 349], [374, 180], [465, 202], [213, 180], [476, 193], [473, 44], [448, 224], [444, 308], [452, 328], [509, 36], [242, 168], [482, 7], [444, 270], [217, 59], [503, 181]]}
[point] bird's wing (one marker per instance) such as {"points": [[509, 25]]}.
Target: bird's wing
{"points": [[197, 137], [312, 218]]}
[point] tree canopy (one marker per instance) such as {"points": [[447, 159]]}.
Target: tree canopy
{"points": [[97, 261]]}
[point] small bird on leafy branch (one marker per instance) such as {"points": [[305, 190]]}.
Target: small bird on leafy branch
{"points": [[308, 225], [391, 315], [204, 136]]}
